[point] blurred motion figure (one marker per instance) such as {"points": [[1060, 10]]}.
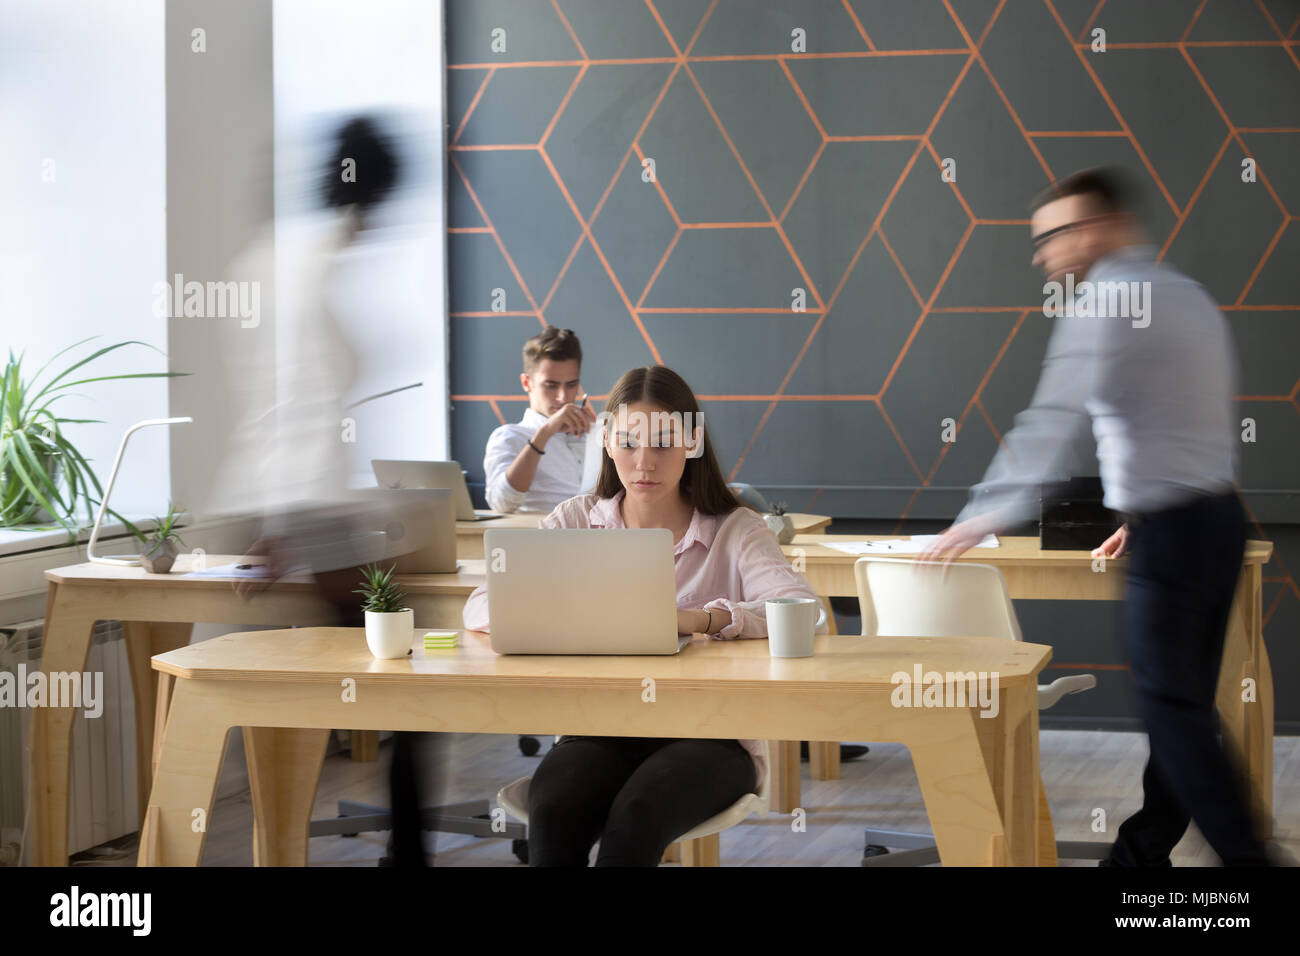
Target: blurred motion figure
{"points": [[312, 521], [1157, 384]]}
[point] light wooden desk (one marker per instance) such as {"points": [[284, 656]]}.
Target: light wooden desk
{"points": [[978, 775], [1034, 574], [158, 612], [469, 534]]}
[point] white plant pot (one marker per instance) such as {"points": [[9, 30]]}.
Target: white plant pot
{"points": [[390, 635]]}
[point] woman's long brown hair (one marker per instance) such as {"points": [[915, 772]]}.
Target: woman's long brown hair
{"points": [[702, 483]]}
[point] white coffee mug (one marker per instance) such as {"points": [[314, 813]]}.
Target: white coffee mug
{"points": [[792, 624]]}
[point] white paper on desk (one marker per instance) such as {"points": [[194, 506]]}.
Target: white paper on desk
{"points": [[988, 541], [913, 545], [227, 571], [891, 546]]}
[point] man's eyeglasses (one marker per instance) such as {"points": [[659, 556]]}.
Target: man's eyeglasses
{"points": [[1042, 238]]}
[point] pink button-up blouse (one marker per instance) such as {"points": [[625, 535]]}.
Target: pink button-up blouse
{"points": [[727, 561]]}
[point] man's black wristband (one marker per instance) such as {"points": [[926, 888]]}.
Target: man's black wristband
{"points": [[535, 448]]}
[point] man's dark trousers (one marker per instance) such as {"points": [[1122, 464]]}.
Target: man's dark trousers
{"points": [[1183, 568]]}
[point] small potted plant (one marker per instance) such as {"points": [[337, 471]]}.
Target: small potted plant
{"points": [[780, 523], [159, 545], [390, 627]]}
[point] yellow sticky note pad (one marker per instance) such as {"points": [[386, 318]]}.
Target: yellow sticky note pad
{"points": [[441, 639]]}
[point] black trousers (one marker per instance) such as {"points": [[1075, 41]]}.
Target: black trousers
{"points": [[1183, 569], [636, 795]]}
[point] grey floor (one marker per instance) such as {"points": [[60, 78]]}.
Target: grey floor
{"points": [[1083, 771]]}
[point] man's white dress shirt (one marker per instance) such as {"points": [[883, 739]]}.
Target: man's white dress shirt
{"points": [[559, 471]]}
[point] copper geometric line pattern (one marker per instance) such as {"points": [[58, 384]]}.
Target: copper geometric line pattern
{"points": [[824, 299]]}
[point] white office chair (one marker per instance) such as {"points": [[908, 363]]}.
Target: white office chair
{"points": [[971, 600], [700, 843]]}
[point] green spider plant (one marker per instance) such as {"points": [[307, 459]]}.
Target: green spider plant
{"points": [[43, 477]]}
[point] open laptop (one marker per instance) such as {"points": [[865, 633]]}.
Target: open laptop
{"points": [[418, 528], [582, 591], [430, 474]]}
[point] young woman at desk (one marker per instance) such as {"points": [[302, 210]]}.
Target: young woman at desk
{"points": [[637, 795]]}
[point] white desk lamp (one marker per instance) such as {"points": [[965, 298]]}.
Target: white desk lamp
{"points": [[132, 561]]}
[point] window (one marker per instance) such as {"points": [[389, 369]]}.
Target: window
{"points": [[335, 61]]}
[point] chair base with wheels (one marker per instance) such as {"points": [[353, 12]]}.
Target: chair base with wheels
{"points": [[919, 849], [472, 817]]}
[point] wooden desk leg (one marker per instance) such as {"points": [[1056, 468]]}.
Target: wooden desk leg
{"points": [[65, 647], [957, 787], [1026, 798], [1017, 783], [193, 744], [284, 766], [784, 755], [824, 755], [701, 852], [164, 703], [365, 745], [980, 781], [1248, 725], [143, 641], [1046, 832], [824, 759]]}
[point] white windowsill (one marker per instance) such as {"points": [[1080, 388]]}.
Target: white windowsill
{"points": [[13, 541]]}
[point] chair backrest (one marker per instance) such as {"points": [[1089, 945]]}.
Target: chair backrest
{"points": [[903, 598]]}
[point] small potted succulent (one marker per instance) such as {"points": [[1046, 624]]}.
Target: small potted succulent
{"points": [[390, 626], [780, 523], [159, 545]]}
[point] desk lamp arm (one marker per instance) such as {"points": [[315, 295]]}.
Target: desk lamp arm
{"points": [[108, 490]]}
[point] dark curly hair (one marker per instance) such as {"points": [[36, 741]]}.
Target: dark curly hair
{"points": [[375, 170]]}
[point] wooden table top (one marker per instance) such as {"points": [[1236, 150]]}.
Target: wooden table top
{"points": [[803, 523], [470, 575], [329, 654], [527, 520], [1017, 550]]}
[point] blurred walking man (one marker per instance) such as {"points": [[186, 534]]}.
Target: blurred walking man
{"points": [[1144, 354]]}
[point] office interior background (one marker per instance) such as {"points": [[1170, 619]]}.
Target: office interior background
{"points": [[797, 255], [822, 171]]}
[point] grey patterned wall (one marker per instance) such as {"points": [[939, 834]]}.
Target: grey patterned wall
{"points": [[819, 170]]}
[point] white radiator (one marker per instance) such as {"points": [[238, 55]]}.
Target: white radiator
{"points": [[102, 786]]}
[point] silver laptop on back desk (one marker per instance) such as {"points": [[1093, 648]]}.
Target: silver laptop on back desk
{"points": [[582, 591], [430, 474]]}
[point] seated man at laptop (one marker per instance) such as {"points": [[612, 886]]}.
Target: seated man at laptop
{"points": [[637, 795], [525, 470]]}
